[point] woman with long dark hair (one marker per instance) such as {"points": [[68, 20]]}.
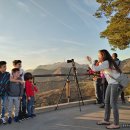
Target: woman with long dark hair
{"points": [[110, 69]]}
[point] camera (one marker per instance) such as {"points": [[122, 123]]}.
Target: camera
{"points": [[70, 61]]}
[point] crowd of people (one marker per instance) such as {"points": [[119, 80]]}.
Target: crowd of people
{"points": [[17, 89], [16, 93], [107, 88]]}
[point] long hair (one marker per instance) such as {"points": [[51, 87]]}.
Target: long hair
{"points": [[112, 64]]}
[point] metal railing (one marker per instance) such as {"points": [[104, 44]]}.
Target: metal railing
{"points": [[51, 85]]}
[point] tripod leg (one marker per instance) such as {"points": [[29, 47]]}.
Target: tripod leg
{"points": [[60, 97], [78, 88], [56, 108], [79, 99], [81, 95]]}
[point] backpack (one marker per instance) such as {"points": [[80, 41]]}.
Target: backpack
{"points": [[4, 82], [123, 80]]}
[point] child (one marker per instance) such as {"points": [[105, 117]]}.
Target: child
{"points": [[22, 111], [15, 92], [4, 83], [30, 92]]}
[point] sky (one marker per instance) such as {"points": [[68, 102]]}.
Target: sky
{"points": [[43, 32]]}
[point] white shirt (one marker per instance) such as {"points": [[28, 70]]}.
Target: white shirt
{"points": [[22, 74], [107, 72]]}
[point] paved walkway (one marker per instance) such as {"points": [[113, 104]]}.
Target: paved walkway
{"points": [[69, 119]]}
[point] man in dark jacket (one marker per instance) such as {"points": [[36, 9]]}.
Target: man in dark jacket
{"points": [[4, 83], [118, 62]]}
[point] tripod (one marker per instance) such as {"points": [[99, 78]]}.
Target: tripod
{"points": [[80, 98]]}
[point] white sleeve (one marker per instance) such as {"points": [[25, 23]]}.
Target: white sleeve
{"points": [[104, 65], [22, 72], [11, 74]]}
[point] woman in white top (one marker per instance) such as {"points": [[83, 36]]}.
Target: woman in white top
{"points": [[110, 69]]}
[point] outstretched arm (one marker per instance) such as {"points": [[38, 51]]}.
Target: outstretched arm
{"points": [[102, 66], [16, 81]]}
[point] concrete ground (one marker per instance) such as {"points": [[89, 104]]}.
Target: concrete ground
{"points": [[69, 119]]}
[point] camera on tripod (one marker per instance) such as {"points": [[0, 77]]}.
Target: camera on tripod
{"points": [[70, 61], [79, 94]]}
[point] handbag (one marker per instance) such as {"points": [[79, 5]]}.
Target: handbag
{"points": [[123, 80]]}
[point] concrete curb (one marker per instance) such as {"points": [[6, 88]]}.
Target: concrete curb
{"points": [[62, 106], [67, 105]]}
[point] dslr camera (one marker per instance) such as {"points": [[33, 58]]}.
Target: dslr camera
{"points": [[70, 61]]}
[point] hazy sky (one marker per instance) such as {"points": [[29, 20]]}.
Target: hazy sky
{"points": [[48, 31]]}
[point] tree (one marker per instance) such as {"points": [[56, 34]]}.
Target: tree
{"points": [[117, 13]]}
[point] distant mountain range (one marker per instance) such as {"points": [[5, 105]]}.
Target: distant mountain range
{"points": [[57, 68], [60, 65], [63, 68]]}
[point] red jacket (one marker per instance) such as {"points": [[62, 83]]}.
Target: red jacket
{"points": [[30, 89]]}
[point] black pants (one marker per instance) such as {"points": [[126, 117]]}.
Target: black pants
{"points": [[99, 90], [23, 106], [104, 85], [123, 96]]}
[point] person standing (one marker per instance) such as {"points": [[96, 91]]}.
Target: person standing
{"points": [[4, 83], [15, 93], [97, 84], [31, 89], [23, 103], [118, 62], [100, 84], [109, 67], [104, 85]]}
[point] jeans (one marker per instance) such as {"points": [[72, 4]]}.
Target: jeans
{"points": [[4, 102], [111, 100], [16, 102], [30, 106]]}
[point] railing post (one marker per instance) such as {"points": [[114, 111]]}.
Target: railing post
{"points": [[68, 90]]}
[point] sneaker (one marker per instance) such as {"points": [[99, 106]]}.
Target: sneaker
{"points": [[26, 117], [102, 106], [3, 121], [16, 119], [30, 116], [21, 118], [10, 120], [33, 115]]}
